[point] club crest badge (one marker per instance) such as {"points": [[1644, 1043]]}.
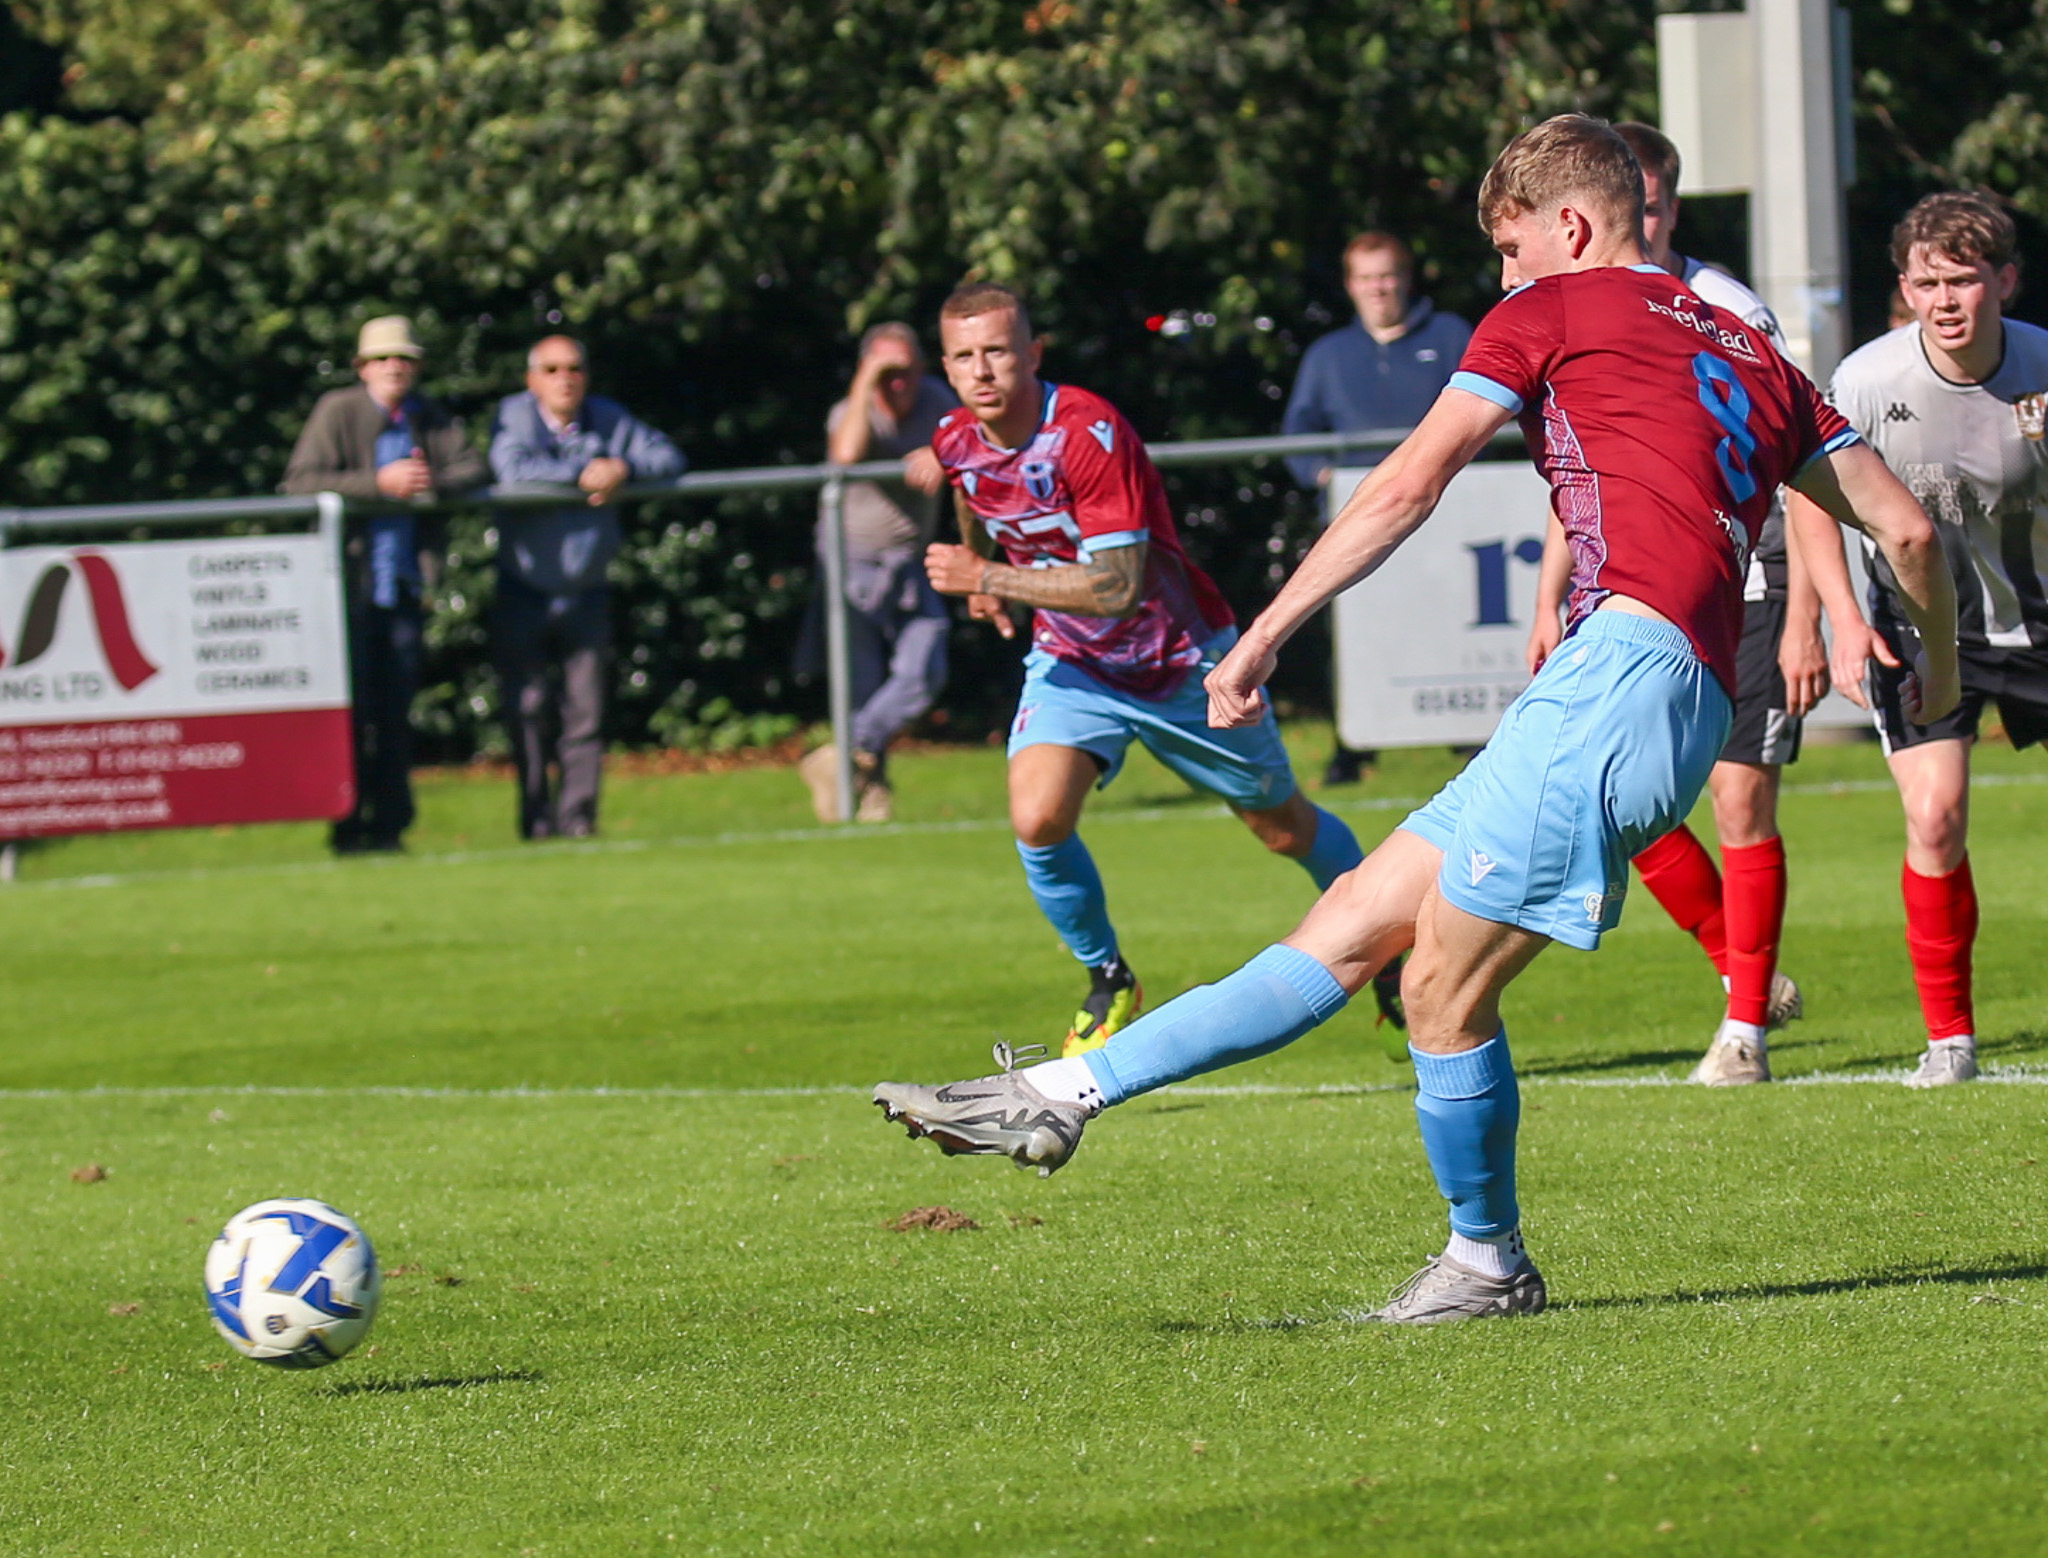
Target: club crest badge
{"points": [[2031, 411], [1038, 477]]}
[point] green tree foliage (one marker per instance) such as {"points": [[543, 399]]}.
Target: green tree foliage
{"points": [[717, 195]]}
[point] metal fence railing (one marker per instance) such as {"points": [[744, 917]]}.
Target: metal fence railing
{"points": [[327, 509]]}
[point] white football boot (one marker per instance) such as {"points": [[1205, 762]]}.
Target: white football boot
{"points": [[1734, 1059]]}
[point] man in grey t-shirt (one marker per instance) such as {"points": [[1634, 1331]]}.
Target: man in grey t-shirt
{"points": [[1957, 403], [897, 624]]}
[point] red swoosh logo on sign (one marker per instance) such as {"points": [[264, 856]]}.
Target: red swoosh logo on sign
{"points": [[125, 658]]}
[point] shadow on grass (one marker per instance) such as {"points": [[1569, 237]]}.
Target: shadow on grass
{"points": [[2012, 1046], [400, 1387], [2011, 1270], [1593, 1065], [1956, 1276]]}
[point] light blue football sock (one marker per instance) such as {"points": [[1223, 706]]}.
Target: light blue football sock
{"points": [[1469, 1107], [1273, 1000], [1334, 851], [1068, 888]]}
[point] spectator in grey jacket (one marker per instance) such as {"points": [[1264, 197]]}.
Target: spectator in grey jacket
{"points": [[551, 635]]}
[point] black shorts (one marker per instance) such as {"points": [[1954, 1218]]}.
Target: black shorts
{"points": [[2016, 678], [1762, 731]]}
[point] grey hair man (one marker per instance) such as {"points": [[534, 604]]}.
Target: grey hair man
{"points": [[551, 632]]}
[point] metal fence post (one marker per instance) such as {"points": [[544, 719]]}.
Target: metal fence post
{"points": [[838, 659]]}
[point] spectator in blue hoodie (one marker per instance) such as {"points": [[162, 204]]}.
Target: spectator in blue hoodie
{"points": [[551, 635], [1383, 370]]}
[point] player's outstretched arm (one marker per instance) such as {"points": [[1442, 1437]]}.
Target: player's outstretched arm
{"points": [[1386, 509], [1858, 489]]}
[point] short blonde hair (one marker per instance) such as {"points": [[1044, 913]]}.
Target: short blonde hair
{"points": [[1570, 155]]}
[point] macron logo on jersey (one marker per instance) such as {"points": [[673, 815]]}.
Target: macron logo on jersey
{"points": [[1103, 433], [1482, 866]]}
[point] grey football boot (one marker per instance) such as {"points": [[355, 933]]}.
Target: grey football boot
{"points": [[1733, 1060], [1001, 1114], [1784, 1004], [1944, 1065], [1448, 1289]]}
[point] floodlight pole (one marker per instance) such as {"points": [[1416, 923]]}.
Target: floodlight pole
{"points": [[838, 658]]}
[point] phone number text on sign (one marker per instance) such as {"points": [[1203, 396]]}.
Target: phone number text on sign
{"points": [[1464, 700]]}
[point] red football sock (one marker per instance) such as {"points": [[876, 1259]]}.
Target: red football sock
{"points": [[1755, 897], [1941, 927], [1680, 875]]}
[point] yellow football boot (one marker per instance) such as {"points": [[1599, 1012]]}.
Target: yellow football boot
{"points": [[1113, 1004]]}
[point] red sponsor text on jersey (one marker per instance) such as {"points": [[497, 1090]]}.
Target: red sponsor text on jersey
{"points": [[1084, 480], [1663, 425]]}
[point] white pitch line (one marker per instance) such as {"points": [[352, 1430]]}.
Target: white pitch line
{"points": [[2006, 1075]]}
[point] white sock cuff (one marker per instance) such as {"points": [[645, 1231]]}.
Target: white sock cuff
{"points": [[1068, 1080], [1491, 1257]]}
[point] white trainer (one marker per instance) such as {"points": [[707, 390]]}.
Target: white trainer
{"points": [[1946, 1064], [1449, 1290], [1734, 1059]]}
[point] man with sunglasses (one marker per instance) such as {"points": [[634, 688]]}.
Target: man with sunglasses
{"points": [[381, 440], [551, 634]]}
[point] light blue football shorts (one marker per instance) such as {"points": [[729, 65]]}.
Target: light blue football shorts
{"points": [[1602, 754], [1063, 706]]}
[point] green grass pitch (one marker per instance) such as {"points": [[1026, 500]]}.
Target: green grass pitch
{"points": [[602, 1109]]}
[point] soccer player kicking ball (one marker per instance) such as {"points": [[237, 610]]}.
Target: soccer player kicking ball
{"points": [[1124, 631], [1956, 402], [1781, 673], [1663, 427]]}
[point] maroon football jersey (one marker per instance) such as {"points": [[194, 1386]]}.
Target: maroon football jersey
{"points": [[1663, 425], [1083, 484]]}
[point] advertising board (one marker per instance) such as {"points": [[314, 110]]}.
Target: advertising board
{"points": [[166, 684], [1430, 650]]}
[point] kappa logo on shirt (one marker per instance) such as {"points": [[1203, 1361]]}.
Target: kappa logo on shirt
{"points": [[1899, 411], [1482, 866], [1103, 434]]}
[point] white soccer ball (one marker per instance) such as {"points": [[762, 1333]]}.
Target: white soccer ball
{"points": [[292, 1283]]}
